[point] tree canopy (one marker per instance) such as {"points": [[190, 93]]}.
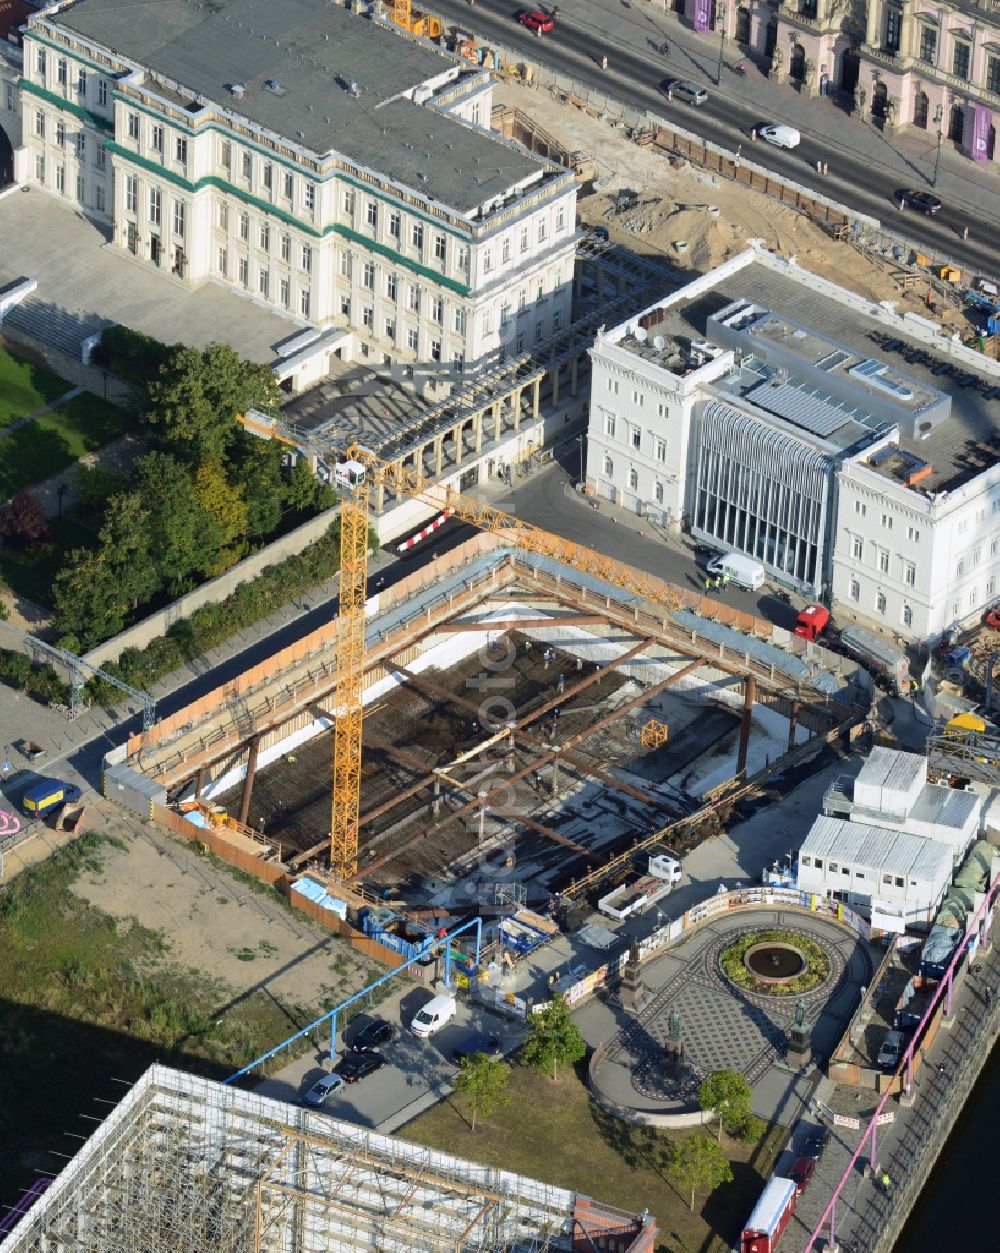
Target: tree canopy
{"points": [[553, 1039], [698, 1164], [727, 1094], [483, 1082]]}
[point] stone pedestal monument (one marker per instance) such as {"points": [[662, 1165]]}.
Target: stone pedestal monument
{"points": [[799, 1038], [673, 1045], [632, 992]]}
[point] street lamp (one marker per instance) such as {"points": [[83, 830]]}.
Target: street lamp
{"points": [[583, 481], [720, 13], [938, 118]]}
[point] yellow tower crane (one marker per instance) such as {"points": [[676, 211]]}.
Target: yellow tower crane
{"points": [[354, 477]]}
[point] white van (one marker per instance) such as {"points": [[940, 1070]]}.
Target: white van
{"points": [[434, 1015], [743, 571], [781, 136]]}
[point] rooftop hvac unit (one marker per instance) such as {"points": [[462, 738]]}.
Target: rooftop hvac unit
{"points": [[659, 343], [640, 334]]}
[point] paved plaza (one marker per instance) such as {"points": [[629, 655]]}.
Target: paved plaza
{"points": [[725, 1027], [84, 281]]}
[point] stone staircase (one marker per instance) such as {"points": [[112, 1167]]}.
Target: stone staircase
{"points": [[34, 318]]}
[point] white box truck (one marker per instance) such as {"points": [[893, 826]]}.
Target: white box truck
{"points": [[743, 571], [642, 889]]}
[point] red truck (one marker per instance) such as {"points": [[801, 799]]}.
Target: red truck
{"points": [[775, 1206], [812, 622]]}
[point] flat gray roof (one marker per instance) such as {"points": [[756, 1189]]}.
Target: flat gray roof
{"points": [[888, 767], [313, 51]]}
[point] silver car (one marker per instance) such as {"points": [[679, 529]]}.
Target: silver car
{"points": [[690, 93], [323, 1089]]}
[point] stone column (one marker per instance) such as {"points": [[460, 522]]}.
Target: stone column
{"points": [[459, 445], [535, 398], [554, 375], [438, 456], [477, 429]]}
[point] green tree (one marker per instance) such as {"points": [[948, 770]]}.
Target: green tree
{"points": [[227, 509], [184, 537], [483, 1082], [258, 471], [96, 485], [124, 539], [726, 1093], [87, 597], [553, 1039], [698, 1164], [194, 402]]}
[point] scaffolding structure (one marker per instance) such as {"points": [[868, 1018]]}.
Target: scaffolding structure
{"points": [[187, 1165]]}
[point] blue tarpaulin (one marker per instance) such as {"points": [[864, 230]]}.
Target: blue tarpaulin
{"points": [[314, 891]]}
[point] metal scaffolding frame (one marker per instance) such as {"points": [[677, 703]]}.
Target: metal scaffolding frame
{"points": [[186, 1164]]}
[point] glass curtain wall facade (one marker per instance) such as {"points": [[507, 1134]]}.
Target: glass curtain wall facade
{"points": [[762, 492]]}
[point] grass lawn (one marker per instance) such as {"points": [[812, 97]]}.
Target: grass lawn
{"points": [[56, 439], [25, 387], [85, 1000], [555, 1132]]}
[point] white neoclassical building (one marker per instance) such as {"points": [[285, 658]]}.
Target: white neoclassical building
{"points": [[853, 451], [321, 162]]}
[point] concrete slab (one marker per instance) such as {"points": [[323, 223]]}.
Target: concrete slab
{"points": [[79, 274]]}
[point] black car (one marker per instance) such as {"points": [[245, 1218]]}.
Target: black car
{"points": [[355, 1066], [371, 1035], [922, 201], [816, 1142], [478, 1042]]}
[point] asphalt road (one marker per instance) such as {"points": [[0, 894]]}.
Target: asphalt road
{"points": [[635, 76]]}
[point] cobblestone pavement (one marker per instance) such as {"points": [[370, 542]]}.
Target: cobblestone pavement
{"points": [[726, 1027]]}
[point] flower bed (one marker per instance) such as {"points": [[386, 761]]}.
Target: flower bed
{"points": [[732, 961]]}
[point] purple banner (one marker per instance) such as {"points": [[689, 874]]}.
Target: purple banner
{"points": [[982, 120], [703, 15]]}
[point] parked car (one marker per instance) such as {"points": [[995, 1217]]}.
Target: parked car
{"points": [[355, 1066], [540, 23], [922, 201], [478, 1042], [781, 136], [991, 618], [891, 1050], [816, 1142], [371, 1035], [801, 1173], [437, 1013], [323, 1089]]}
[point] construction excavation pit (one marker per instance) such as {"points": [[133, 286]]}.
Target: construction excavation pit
{"points": [[521, 720]]}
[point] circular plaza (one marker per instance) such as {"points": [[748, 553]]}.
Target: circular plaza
{"points": [[732, 994]]}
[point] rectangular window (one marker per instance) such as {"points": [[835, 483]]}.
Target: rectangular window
{"points": [[390, 287], [267, 173], [412, 339], [223, 216], [223, 262], [993, 75], [435, 350], [609, 466], [609, 425], [348, 202], [658, 492], [102, 92], [307, 258], [461, 257], [99, 200], [390, 329], [309, 196], [368, 317], [286, 247], [960, 60], [181, 150], [304, 303], [245, 227], [613, 386], [265, 236], [226, 154], [154, 205], [345, 264], [263, 281], [81, 188], [395, 225], [661, 450], [414, 299], [440, 247], [244, 272], [857, 548], [880, 602], [371, 214], [487, 322], [40, 61], [8, 92], [855, 590], [131, 193], [505, 249], [928, 44], [61, 179], [284, 291], [133, 126], [542, 230], [860, 509], [156, 138], [893, 28], [39, 124], [913, 534], [487, 260], [560, 219], [636, 437], [368, 276], [101, 156], [289, 187], [886, 522], [247, 166], [81, 146], [60, 133], [81, 82], [910, 574], [633, 479], [460, 321], [179, 217], [62, 71], [556, 319], [417, 236], [437, 310], [638, 399], [883, 561]]}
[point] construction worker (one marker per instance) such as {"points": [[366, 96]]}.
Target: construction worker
{"points": [[886, 1182], [708, 585]]}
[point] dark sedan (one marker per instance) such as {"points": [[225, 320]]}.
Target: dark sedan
{"points": [[372, 1035], [922, 201], [357, 1066]]}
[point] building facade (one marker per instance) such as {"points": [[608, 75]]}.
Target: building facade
{"points": [[853, 451], [235, 146], [903, 63]]}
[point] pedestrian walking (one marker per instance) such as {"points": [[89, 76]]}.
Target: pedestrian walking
{"points": [[708, 585], [604, 63], [579, 663], [562, 684], [527, 646], [965, 232]]}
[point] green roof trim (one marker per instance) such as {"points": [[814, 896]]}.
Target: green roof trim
{"points": [[67, 106]]}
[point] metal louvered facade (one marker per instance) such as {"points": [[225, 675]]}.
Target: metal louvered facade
{"points": [[762, 492]]}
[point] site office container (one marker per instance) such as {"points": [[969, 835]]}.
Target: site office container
{"points": [[770, 1216], [812, 622], [48, 794]]}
